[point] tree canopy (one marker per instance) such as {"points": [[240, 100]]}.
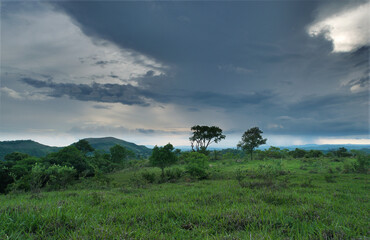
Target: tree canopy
{"points": [[203, 136], [84, 146], [251, 139], [163, 157]]}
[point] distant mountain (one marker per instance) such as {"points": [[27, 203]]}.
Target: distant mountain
{"points": [[329, 146], [324, 147], [25, 146], [107, 142], [39, 150]]}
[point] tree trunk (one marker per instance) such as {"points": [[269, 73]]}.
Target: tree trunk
{"points": [[251, 155]]}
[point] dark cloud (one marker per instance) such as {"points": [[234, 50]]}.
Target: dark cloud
{"points": [[111, 93], [232, 101], [131, 95], [103, 63], [238, 63], [102, 107], [146, 131], [325, 104]]}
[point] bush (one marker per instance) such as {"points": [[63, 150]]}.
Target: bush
{"points": [[197, 165], [240, 175], [60, 176], [270, 171], [362, 164], [173, 174], [148, 176]]}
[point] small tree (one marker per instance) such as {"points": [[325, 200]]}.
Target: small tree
{"points": [[163, 157], [251, 139], [203, 136]]}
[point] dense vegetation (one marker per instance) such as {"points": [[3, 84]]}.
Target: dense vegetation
{"points": [[74, 194], [56, 170]]}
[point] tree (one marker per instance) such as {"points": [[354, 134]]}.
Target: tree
{"points": [[298, 153], [84, 146], [251, 139], [71, 157], [163, 157], [118, 153], [203, 136]]}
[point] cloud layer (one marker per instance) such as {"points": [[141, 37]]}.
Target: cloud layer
{"points": [[348, 29], [154, 69]]}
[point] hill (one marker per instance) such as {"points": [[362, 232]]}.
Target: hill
{"points": [[25, 146], [107, 142], [39, 150]]}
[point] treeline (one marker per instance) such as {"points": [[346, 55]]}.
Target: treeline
{"points": [[55, 171], [275, 152]]}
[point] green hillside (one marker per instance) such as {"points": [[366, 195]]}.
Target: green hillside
{"points": [[25, 146], [39, 150], [107, 142]]}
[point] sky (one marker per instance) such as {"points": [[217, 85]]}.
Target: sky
{"points": [[148, 71]]}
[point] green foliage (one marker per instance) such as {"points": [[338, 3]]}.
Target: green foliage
{"points": [[84, 146], [203, 136], [118, 154], [298, 153], [362, 164], [251, 139], [314, 154], [163, 157], [342, 152], [197, 165], [70, 156], [173, 174], [104, 144], [15, 156], [148, 176], [60, 176], [270, 171]]}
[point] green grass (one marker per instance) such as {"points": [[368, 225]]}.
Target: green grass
{"points": [[299, 205]]}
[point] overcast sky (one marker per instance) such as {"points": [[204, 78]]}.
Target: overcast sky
{"points": [[147, 71]]}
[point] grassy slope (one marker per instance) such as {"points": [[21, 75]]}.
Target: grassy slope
{"points": [[218, 208]]}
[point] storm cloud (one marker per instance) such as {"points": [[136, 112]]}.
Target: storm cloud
{"points": [[293, 68], [110, 93]]}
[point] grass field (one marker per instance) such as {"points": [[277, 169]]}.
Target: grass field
{"points": [[310, 199]]}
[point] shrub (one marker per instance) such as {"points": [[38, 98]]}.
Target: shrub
{"points": [[148, 176], [348, 167], [240, 175], [362, 164], [173, 174], [269, 171], [60, 176], [197, 165]]}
